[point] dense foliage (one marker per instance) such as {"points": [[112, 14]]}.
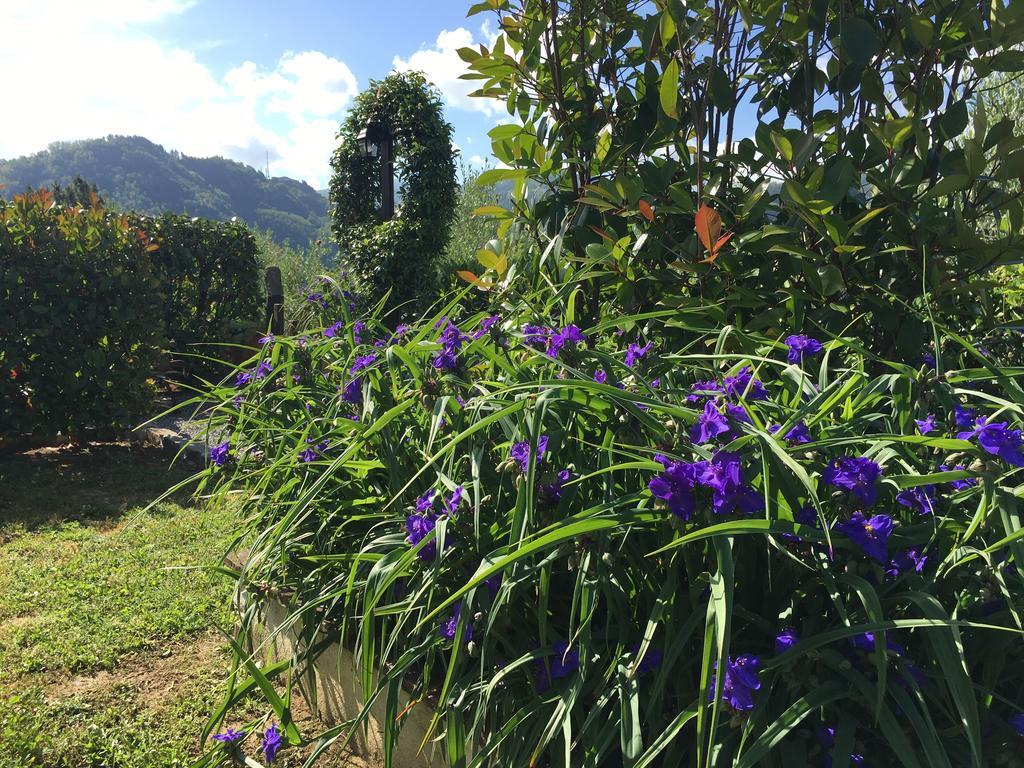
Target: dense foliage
{"points": [[81, 328], [832, 137], [399, 255], [557, 533], [211, 282], [134, 174], [720, 471]]}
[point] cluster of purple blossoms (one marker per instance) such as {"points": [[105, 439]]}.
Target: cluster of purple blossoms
{"points": [[566, 338], [712, 423], [362, 362], [723, 475], [421, 523], [535, 335], [958, 485], [219, 454], [562, 663], [906, 562], [801, 346], [740, 682], [271, 742], [451, 339], [635, 353], [997, 439], [798, 434], [701, 390], [316, 298], [926, 425], [919, 497], [358, 329], [257, 373], [871, 534], [485, 326], [744, 385], [858, 475], [353, 392], [521, 452]]}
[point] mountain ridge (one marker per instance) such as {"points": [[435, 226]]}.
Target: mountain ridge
{"points": [[133, 173]]}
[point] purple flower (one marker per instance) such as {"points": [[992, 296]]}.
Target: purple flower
{"points": [[521, 452], [928, 359], [451, 339], [563, 662], [485, 325], [535, 335], [493, 583], [635, 353], [959, 485], [261, 370], [271, 742], [710, 424], [228, 736], [243, 378], [600, 376], [798, 434], [353, 392], [926, 425], [651, 660], [866, 642], [744, 385], [740, 682], [425, 502], [905, 562], [723, 474], [826, 736], [358, 329], [551, 492], [333, 330], [451, 504], [316, 298], [675, 486], [449, 628], [362, 361], [920, 497], [871, 534], [963, 417], [267, 339], [418, 527], [1017, 722], [219, 454], [801, 346], [701, 390], [569, 336], [785, 640], [997, 439], [859, 475]]}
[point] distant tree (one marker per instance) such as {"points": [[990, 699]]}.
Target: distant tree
{"points": [[78, 194]]}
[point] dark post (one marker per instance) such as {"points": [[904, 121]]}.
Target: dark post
{"points": [[387, 179], [275, 302]]}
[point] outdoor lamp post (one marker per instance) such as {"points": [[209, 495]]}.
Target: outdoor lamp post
{"points": [[375, 141]]}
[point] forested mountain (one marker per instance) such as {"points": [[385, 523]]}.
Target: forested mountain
{"points": [[134, 174]]}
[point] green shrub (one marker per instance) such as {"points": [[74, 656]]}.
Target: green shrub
{"points": [[692, 503], [82, 326], [399, 255], [833, 138], [211, 281]]}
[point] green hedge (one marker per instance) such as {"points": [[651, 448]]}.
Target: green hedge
{"points": [[81, 329], [210, 276]]}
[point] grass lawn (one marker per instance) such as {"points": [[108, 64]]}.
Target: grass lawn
{"points": [[110, 655]]}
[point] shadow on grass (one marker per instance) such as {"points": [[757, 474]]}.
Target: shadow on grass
{"points": [[94, 483]]}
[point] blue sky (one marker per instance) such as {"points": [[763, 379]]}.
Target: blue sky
{"points": [[240, 79]]}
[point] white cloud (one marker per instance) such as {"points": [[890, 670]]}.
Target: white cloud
{"points": [[442, 66], [104, 71]]}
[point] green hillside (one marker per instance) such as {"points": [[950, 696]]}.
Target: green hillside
{"points": [[133, 173]]}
